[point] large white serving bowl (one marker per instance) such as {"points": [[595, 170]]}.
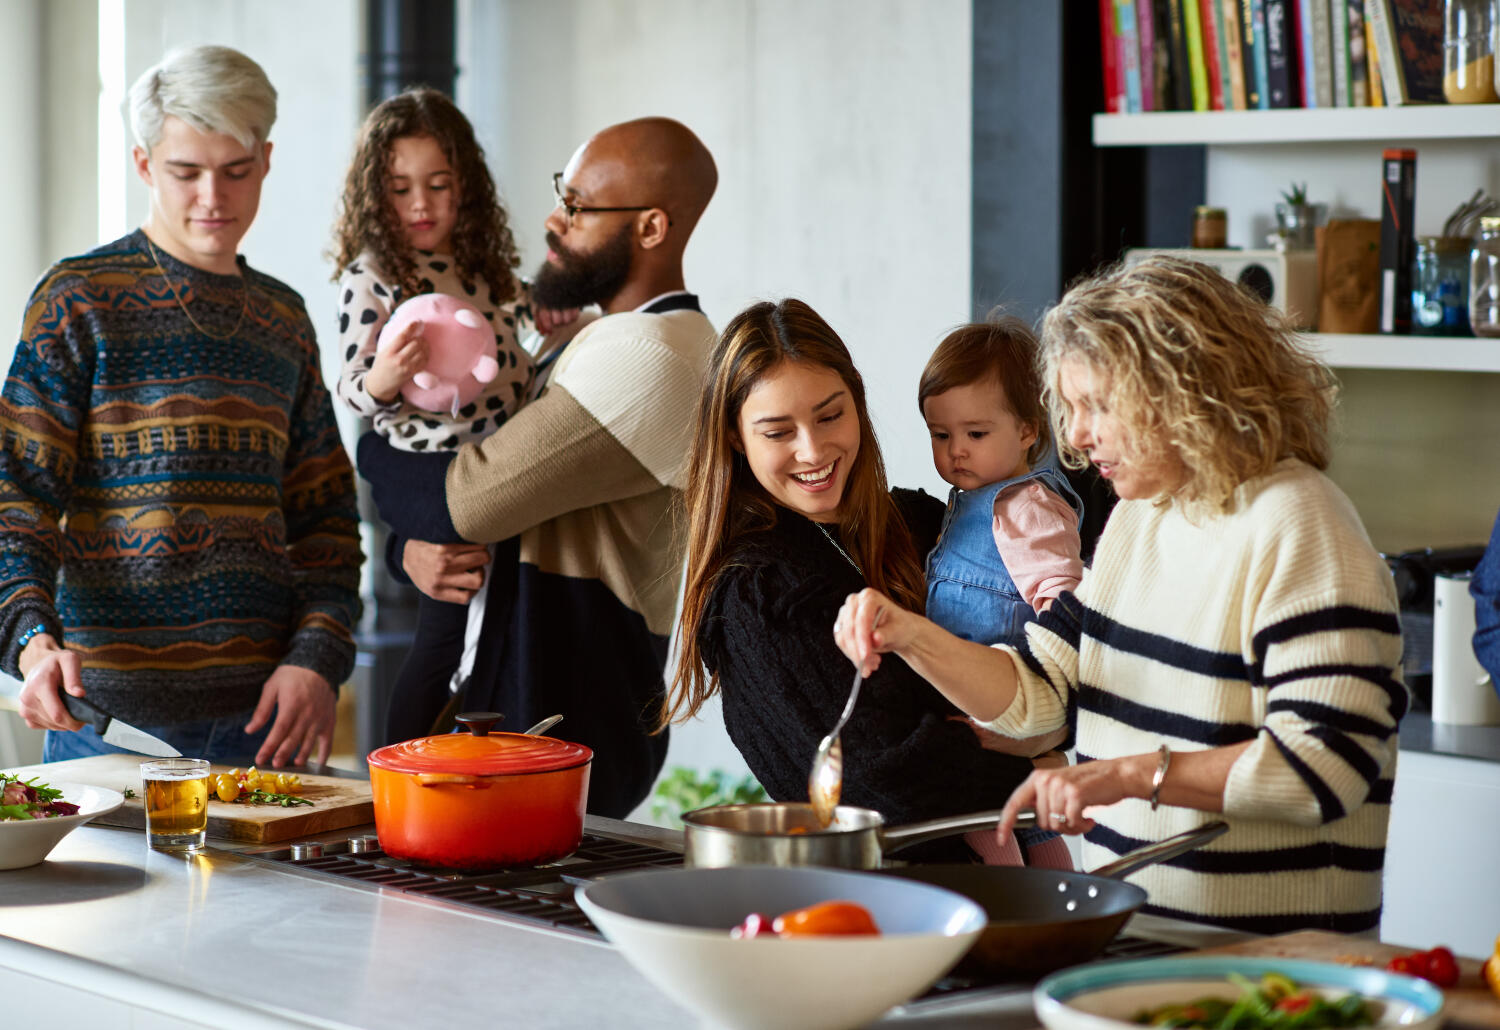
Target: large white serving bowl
{"points": [[25, 842], [673, 925], [1107, 995]]}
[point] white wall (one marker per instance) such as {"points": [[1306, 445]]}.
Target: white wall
{"points": [[842, 135], [21, 171], [311, 53]]}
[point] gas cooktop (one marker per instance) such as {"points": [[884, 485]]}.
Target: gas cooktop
{"points": [[543, 895]]}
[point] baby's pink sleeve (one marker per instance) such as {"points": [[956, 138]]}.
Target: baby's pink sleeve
{"points": [[1036, 533]]}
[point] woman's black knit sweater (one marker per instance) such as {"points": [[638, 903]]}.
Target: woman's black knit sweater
{"points": [[768, 634]]}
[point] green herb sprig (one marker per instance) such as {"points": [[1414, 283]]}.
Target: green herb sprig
{"points": [[265, 797]]}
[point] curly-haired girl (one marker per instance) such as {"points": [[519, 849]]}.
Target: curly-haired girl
{"points": [[1233, 649], [420, 214]]}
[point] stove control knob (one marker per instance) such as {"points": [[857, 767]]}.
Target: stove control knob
{"points": [[301, 852], [360, 845]]}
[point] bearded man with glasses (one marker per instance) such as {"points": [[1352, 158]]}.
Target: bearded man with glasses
{"points": [[576, 489]]}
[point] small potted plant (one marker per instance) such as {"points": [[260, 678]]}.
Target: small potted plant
{"points": [[1296, 219]]}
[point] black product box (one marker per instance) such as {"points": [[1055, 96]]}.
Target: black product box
{"points": [[1398, 192]]}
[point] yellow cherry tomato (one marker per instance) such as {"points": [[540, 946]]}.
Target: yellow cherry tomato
{"points": [[281, 783], [294, 784], [228, 789]]}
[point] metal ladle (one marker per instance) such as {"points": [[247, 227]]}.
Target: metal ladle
{"points": [[545, 724], [825, 783]]}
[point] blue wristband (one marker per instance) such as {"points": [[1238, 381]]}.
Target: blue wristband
{"points": [[25, 638]]}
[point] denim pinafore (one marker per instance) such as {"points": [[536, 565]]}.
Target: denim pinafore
{"points": [[969, 589]]}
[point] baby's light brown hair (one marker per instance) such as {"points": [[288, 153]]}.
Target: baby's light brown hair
{"points": [[1002, 350]]}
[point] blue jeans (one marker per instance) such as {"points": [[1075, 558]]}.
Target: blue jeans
{"points": [[221, 740]]}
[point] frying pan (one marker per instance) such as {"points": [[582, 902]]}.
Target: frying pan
{"points": [[1045, 919], [787, 833]]}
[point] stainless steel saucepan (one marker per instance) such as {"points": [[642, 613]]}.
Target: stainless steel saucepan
{"points": [[788, 833]]}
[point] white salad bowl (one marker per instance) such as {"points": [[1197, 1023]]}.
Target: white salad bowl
{"points": [[25, 842], [673, 926]]}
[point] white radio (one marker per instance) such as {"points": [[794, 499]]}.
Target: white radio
{"points": [[1287, 280]]}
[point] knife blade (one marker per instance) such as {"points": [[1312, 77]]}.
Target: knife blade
{"points": [[116, 731]]}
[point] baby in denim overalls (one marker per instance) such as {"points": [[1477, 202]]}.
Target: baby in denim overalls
{"points": [[1009, 543]]}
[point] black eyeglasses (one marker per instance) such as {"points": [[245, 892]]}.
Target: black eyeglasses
{"points": [[573, 210]]}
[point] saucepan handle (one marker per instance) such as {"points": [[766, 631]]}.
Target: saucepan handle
{"points": [[894, 838], [451, 780], [1160, 852]]}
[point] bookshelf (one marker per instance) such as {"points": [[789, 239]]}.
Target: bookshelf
{"points": [[1419, 415], [1298, 125], [1408, 353]]}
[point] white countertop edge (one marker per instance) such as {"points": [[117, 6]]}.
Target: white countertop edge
{"points": [[113, 984]]}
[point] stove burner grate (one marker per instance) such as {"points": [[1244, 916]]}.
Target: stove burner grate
{"points": [[539, 895]]}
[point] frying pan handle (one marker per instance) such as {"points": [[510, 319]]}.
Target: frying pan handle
{"points": [[1160, 852], [894, 838]]}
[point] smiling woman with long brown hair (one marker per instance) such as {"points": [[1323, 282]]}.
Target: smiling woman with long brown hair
{"points": [[788, 512]]}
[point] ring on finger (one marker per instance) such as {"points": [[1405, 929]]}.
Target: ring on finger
{"points": [[1059, 817]]}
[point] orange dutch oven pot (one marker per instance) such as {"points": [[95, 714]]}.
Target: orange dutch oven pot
{"points": [[480, 800]]}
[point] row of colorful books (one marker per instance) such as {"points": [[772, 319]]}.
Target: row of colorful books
{"points": [[1244, 55]]}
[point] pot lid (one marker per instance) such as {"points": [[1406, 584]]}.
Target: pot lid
{"points": [[481, 753]]}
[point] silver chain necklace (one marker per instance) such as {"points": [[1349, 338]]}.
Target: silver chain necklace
{"points": [[244, 299], [839, 549]]}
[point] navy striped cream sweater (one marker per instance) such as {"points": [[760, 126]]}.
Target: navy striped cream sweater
{"points": [[1274, 624]]}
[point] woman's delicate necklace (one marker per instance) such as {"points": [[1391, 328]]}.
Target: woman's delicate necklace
{"points": [[244, 302], [839, 549]]}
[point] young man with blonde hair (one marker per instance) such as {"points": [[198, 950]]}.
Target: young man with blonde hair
{"points": [[178, 534]]}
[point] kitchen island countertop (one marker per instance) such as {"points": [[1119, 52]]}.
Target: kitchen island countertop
{"points": [[128, 936]]}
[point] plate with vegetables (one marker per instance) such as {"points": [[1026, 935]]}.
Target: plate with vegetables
{"points": [[1234, 993], [36, 814]]}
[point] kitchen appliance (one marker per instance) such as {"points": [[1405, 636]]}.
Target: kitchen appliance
{"points": [[543, 896], [338, 801], [1285, 279], [1414, 573], [480, 800], [789, 833], [1461, 690]]}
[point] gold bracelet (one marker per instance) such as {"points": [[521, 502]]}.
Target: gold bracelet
{"points": [[1160, 776]]}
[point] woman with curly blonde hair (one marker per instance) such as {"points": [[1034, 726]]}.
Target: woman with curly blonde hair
{"points": [[1234, 649]]}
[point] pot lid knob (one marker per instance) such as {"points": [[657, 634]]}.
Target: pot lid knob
{"points": [[478, 723]]}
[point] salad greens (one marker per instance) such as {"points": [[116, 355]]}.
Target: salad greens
{"points": [[1275, 1003], [31, 800]]}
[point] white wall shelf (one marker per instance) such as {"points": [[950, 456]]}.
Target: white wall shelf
{"points": [[1322, 125], [1411, 353]]}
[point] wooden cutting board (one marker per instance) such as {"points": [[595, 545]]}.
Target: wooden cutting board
{"points": [[336, 802], [1470, 1003]]}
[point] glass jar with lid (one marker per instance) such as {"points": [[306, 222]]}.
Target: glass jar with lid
{"points": [[1484, 280], [1469, 51], [1440, 286], [1210, 227]]}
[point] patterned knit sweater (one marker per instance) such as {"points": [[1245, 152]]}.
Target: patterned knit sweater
{"points": [[176, 508], [1275, 624]]}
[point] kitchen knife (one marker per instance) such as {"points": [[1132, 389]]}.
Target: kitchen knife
{"points": [[115, 731]]}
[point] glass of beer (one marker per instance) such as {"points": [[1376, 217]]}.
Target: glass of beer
{"points": [[176, 802]]}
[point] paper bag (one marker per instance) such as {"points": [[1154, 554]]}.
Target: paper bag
{"points": [[1349, 275]]}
